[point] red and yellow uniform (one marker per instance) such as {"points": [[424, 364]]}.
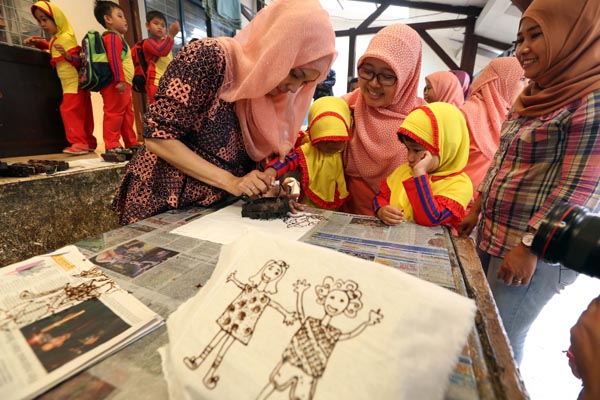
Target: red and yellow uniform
{"points": [[118, 108], [158, 55], [323, 183], [442, 196], [76, 106]]}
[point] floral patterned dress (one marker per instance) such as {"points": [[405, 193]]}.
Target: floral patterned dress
{"points": [[187, 108]]}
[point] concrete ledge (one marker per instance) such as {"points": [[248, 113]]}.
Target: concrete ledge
{"points": [[41, 213]]}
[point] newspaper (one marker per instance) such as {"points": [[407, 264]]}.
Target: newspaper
{"points": [[59, 314], [415, 249]]}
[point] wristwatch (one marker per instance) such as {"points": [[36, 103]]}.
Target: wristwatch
{"points": [[527, 240]]}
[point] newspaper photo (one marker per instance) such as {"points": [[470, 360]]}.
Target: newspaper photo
{"points": [[59, 314]]}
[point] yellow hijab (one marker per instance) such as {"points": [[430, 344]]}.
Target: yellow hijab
{"points": [[442, 129], [64, 36], [323, 179]]}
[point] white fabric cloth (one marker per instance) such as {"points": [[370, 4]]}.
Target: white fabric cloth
{"points": [[227, 224], [406, 351]]}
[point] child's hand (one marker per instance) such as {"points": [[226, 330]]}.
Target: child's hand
{"points": [[121, 86], [423, 166], [63, 52], [375, 317], [390, 215], [174, 29], [33, 40], [230, 277]]}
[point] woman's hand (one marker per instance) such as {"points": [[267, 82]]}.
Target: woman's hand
{"points": [[254, 184], [466, 226], [518, 266], [390, 215]]}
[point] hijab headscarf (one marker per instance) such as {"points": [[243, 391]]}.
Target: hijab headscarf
{"points": [[284, 35], [464, 79], [323, 181], [492, 95], [442, 129], [374, 151], [64, 35], [572, 37], [446, 87]]}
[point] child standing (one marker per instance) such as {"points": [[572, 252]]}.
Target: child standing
{"points": [[431, 188], [319, 160], [76, 106], [118, 107], [157, 49]]}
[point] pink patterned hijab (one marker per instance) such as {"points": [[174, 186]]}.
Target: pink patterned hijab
{"points": [[492, 95], [446, 87], [374, 150], [284, 35]]}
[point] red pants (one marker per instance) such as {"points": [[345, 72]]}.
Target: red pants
{"points": [[78, 119], [118, 117]]}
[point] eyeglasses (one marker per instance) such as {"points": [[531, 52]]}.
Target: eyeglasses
{"points": [[383, 79]]}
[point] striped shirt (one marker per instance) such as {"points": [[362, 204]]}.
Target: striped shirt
{"points": [[540, 163]]}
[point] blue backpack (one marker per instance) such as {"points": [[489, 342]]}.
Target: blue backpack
{"points": [[94, 73]]}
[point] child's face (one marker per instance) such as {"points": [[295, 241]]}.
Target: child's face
{"points": [[46, 23], [416, 152], [336, 302], [157, 28], [331, 146], [116, 21]]}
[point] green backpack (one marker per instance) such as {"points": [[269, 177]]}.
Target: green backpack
{"points": [[94, 73]]}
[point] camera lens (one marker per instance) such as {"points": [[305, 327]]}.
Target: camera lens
{"points": [[570, 235]]}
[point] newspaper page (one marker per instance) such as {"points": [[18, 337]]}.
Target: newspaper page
{"points": [[59, 314], [162, 270], [415, 249]]}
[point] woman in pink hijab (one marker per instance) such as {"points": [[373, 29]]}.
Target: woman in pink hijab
{"points": [[223, 106], [388, 77], [443, 86], [492, 95]]}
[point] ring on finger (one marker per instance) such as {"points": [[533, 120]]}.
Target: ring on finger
{"points": [[517, 281]]}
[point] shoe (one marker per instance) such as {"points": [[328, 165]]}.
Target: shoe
{"points": [[135, 147], [120, 150], [75, 150]]}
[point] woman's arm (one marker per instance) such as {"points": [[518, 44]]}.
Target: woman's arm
{"points": [[180, 156]]}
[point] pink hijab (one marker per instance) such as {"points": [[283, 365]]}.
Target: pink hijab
{"points": [[284, 35], [374, 150], [492, 95], [446, 87]]}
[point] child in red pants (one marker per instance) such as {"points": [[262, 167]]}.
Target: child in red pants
{"points": [[118, 108], [76, 106], [157, 49]]}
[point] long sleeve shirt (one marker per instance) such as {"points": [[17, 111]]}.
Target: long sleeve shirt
{"points": [[428, 209], [158, 56], [540, 163], [119, 57]]}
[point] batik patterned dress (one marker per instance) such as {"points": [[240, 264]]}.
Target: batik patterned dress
{"points": [[187, 108]]}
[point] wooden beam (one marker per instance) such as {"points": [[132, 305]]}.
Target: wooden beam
{"points": [[247, 12], [469, 52], [453, 23], [437, 49], [374, 15], [351, 59], [425, 5], [493, 43]]}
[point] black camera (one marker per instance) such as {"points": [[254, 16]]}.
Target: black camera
{"points": [[570, 235]]}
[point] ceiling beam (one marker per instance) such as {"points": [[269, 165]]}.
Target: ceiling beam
{"points": [[374, 15], [425, 5], [437, 49], [451, 23]]}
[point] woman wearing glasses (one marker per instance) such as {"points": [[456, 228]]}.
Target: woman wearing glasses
{"points": [[223, 106], [388, 77]]}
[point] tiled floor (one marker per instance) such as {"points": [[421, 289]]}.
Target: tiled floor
{"points": [[545, 369]]}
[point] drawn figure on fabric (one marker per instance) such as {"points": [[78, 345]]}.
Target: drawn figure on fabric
{"points": [[304, 360], [241, 316]]}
